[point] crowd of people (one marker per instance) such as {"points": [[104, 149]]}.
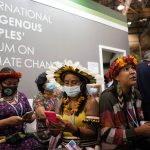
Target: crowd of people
{"points": [[86, 118]]}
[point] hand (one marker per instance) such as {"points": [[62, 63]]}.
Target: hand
{"points": [[14, 120], [28, 118], [143, 130], [147, 122], [62, 125], [59, 125]]}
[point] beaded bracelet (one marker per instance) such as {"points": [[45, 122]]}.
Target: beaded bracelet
{"points": [[92, 122]]}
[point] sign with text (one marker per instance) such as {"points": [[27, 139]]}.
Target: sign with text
{"points": [[33, 35]]}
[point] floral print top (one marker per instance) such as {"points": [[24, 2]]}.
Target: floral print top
{"points": [[49, 103]]}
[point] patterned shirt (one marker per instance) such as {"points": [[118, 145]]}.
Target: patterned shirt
{"points": [[19, 109], [49, 104], [117, 123]]}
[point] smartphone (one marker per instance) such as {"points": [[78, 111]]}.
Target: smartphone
{"points": [[28, 115], [51, 116]]}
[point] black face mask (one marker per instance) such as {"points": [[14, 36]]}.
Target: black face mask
{"points": [[8, 91]]}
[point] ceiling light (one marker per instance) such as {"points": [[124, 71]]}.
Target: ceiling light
{"points": [[144, 19], [120, 7], [129, 23]]}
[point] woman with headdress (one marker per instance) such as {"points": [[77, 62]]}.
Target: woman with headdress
{"points": [[13, 106], [120, 109], [79, 114], [44, 101]]}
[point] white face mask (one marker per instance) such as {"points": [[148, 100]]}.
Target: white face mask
{"points": [[72, 91], [93, 91]]}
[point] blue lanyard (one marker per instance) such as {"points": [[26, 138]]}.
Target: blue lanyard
{"points": [[72, 118], [134, 120], [21, 107], [16, 109]]}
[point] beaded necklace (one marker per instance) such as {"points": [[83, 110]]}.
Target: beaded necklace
{"points": [[69, 109]]}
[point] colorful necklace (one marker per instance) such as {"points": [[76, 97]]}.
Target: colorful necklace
{"points": [[69, 109]]}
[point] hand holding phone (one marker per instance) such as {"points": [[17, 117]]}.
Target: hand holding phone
{"points": [[28, 115], [51, 116]]}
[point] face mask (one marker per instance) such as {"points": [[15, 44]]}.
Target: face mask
{"points": [[93, 91], [8, 91], [72, 91], [50, 87]]}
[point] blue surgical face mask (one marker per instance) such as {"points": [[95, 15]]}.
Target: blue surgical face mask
{"points": [[50, 86], [72, 91], [93, 91]]}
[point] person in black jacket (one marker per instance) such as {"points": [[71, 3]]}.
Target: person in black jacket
{"points": [[143, 83]]}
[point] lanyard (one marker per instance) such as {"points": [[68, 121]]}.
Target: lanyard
{"points": [[53, 103], [134, 120], [21, 107], [72, 118]]}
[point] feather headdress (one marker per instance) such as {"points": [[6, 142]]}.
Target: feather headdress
{"points": [[57, 70]]}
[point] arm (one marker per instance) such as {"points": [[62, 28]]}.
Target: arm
{"points": [[58, 107], [89, 130], [92, 112], [38, 106], [55, 132], [14, 120], [91, 109], [138, 105]]}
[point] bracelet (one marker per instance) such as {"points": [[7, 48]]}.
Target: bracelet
{"points": [[77, 132]]}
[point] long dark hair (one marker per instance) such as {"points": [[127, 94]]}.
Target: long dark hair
{"points": [[117, 91]]}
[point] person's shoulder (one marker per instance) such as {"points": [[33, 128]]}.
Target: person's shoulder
{"points": [[21, 94], [91, 107], [91, 101], [108, 96], [143, 63], [37, 96], [22, 97], [108, 92]]}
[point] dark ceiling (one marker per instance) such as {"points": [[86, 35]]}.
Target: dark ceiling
{"points": [[138, 14]]}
